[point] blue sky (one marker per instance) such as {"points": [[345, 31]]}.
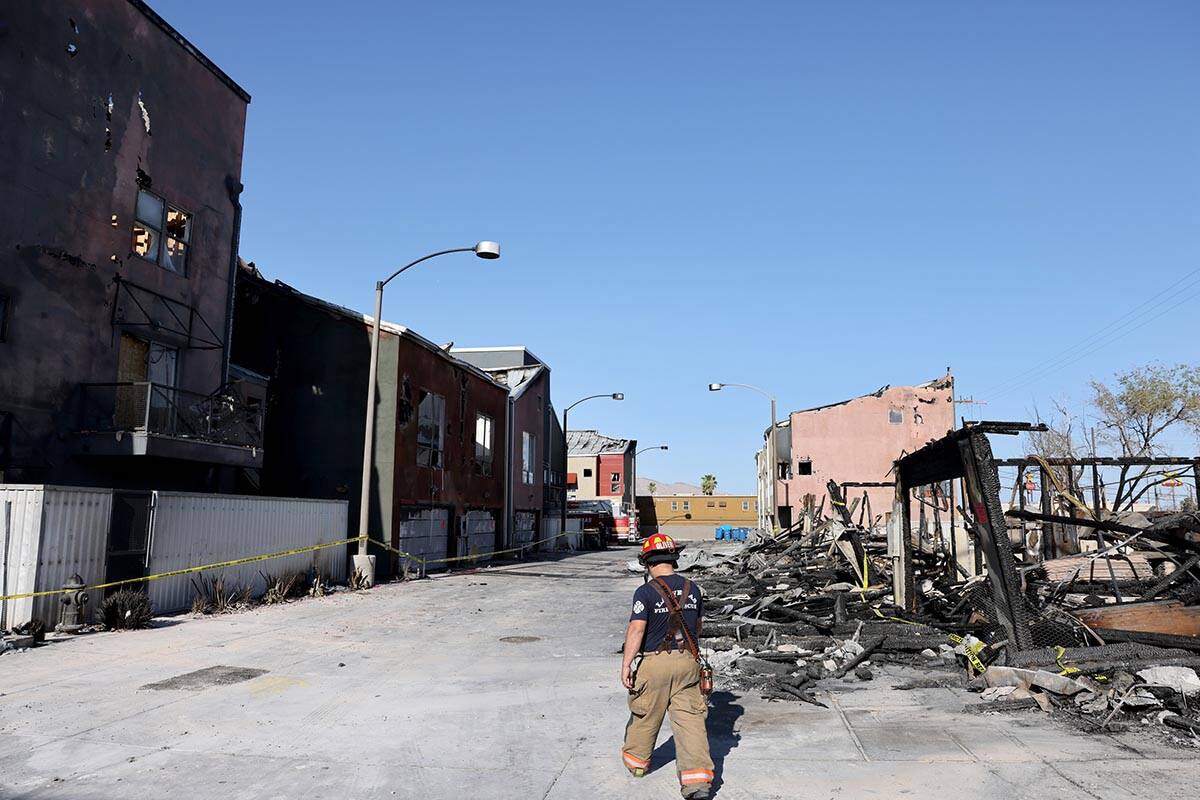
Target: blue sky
{"points": [[819, 198]]}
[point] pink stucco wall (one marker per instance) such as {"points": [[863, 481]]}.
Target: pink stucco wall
{"points": [[860, 439]]}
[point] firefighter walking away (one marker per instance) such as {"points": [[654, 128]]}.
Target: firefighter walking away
{"points": [[671, 678]]}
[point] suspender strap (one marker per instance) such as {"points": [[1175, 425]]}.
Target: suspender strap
{"points": [[676, 610]]}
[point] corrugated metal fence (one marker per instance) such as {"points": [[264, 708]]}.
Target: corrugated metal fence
{"points": [[192, 529], [48, 533]]}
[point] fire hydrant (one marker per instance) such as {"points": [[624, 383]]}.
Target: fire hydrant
{"points": [[74, 600]]}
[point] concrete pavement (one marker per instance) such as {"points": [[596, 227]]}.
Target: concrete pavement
{"points": [[495, 684]]}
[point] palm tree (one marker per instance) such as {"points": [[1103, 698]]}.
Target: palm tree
{"points": [[708, 484]]}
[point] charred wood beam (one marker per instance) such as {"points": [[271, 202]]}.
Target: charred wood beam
{"points": [[1158, 534], [1132, 461]]}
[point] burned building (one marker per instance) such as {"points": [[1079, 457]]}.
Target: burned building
{"points": [[535, 441], [439, 460], [854, 444], [120, 172]]}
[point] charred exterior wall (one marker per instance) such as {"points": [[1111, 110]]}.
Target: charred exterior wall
{"points": [[317, 358], [316, 361], [458, 485], [529, 415], [99, 98]]}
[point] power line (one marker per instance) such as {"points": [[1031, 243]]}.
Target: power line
{"points": [[1101, 344], [1120, 322]]}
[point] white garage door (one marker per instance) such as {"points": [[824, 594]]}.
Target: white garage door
{"points": [[479, 533], [424, 532], [524, 528]]}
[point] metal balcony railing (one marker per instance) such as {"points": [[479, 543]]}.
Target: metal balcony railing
{"points": [[146, 407]]}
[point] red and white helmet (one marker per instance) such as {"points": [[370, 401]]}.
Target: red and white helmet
{"points": [[658, 549]]}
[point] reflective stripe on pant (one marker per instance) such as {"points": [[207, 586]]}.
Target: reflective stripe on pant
{"points": [[669, 683]]}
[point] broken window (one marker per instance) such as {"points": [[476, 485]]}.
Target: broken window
{"points": [[4, 305], [431, 417], [483, 444], [804, 467], [528, 457], [784, 470], [895, 416], [615, 478], [161, 232]]}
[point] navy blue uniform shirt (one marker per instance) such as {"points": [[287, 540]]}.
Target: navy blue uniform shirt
{"points": [[649, 606]]}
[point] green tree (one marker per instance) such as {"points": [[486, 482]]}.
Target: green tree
{"points": [[653, 487], [1145, 403], [708, 484]]}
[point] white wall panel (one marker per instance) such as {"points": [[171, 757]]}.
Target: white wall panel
{"points": [[195, 529], [49, 533]]}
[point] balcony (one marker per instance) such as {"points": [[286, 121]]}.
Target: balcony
{"points": [[153, 419]]}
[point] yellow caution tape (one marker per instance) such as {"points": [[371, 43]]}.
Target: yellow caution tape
{"points": [[471, 557], [1059, 652], [188, 570], [972, 651], [278, 554]]}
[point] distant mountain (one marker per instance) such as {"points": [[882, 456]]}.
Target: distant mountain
{"points": [[662, 488]]}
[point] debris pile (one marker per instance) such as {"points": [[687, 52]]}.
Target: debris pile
{"points": [[784, 612], [1103, 627]]}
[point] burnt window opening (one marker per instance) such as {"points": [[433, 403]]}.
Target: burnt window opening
{"points": [[5, 305], [404, 412], [615, 478], [895, 416], [462, 405], [804, 467], [587, 473], [161, 232], [528, 457], [431, 424], [784, 470], [484, 432]]}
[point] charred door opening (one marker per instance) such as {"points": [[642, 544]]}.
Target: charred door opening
{"points": [[128, 536]]}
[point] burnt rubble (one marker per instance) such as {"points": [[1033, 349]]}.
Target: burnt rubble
{"points": [[1108, 635]]}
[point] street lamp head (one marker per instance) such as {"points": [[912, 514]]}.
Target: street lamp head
{"points": [[618, 396], [715, 387], [488, 250]]}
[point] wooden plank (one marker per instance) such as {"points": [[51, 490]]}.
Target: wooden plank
{"points": [[1166, 616]]}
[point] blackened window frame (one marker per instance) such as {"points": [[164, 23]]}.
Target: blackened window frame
{"points": [[433, 453], [160, 231]]}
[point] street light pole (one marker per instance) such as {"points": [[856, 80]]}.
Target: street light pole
{"points": [[563, 512], [771, 451], [362, 562], [635, 472]]}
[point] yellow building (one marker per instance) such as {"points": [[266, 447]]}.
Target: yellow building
{"points": [[694, 516]]}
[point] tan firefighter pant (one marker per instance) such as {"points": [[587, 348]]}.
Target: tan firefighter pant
{"points": [[669, 683]]}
